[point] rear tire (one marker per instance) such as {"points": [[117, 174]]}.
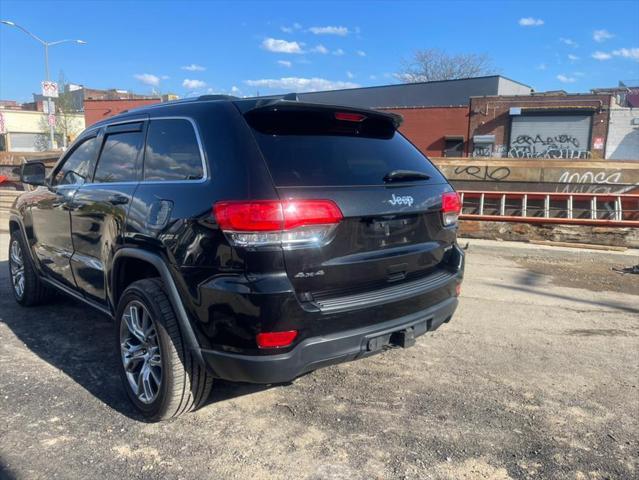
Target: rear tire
{"points": [[158, 372], [26, 285]]}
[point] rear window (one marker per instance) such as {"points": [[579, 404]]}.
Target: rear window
{"points": [[172, 152], [302, 151]]}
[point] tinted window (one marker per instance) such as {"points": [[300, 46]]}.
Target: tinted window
{"points": [[315, 147], [78, 167], [118, 160], [314, 160], [172, 152]]}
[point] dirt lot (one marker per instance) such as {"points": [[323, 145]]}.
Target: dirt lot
{"points": [[536, 377]]}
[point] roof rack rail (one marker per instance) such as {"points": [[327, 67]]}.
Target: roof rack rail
{"points": [[217, 97]]}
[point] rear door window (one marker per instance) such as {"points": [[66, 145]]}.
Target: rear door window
{"points": [[119, 157], [314, 149], [172, 152]]}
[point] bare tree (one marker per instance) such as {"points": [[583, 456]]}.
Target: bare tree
{"points": [[433, 64]]}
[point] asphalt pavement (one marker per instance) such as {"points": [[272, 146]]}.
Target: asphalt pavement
{"points": [[535, 377]]}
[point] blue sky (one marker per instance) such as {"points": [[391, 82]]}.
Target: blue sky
{"points": [[244, 47]]}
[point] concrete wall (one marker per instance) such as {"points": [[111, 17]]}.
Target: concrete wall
{"points": [[623, 137], [507, 86], [426, 127], [491, 116], [535, 174]]}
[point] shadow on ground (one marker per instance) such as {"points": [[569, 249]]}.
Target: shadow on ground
{"points": [[81, 343]]}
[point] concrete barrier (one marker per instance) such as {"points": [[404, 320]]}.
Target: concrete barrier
{"points": [[563, 175]]}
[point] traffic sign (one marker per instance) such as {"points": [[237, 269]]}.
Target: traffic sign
{"points": [[49, 89], [51, 120], [48, 106]]}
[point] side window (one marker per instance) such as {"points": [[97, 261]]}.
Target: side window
{"points": [[172, 152], [78, 166], [118, 160]]}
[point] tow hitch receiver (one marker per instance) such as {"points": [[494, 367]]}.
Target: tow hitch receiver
{"points": [[404, 338]]}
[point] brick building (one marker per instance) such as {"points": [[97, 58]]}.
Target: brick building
{"points": [[546, 125], [436, 131], [435, 113], [96, 110]]}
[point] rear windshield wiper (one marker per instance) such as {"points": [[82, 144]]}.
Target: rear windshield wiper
{"points": [[405, 176]]}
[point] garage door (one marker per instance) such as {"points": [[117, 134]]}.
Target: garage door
{"points": [[31, 142], [550, 136]]}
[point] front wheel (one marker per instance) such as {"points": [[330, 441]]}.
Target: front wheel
{"points": [[158, 372], [28, 289]]}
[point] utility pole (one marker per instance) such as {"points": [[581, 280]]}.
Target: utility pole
{"points": [[46, 46]]}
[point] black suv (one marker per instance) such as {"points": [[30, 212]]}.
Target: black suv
{"points": [[250, 240]]}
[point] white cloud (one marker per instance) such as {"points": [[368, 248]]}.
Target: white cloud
{"points": [[601, 35], [360, 53], [569, 41], [598, 55], [193, 84], [147, 79], [194, 67], [632, 53], [339, 52], [320, 49], [565, 79], [299, 84], [292, 28], [330, 30], [542, 66], [530, 22], [572, 58], [350, 74], [165, 77], [235, 90], [373, 77], [281, 46], [285, 63]]}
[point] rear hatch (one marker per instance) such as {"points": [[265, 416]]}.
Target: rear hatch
{"points": [[389, 194]]}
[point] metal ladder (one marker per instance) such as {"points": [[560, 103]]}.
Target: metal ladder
{"points": [[624, 211]]}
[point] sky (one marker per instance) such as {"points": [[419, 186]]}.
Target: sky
{"points": [[244, 48]]}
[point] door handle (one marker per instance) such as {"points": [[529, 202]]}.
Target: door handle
{"points": [[118, 199]]}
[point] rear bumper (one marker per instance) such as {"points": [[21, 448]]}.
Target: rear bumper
{"points": [[317, 352]]}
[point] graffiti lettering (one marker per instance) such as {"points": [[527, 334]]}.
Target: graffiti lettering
{"points": [[552, 152], [477, 172], [489, 150], [559, 146], [590, 182]]}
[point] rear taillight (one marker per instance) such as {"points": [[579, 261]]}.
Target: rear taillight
{"points": [[275, 339], [290, 223], [451, 207]]}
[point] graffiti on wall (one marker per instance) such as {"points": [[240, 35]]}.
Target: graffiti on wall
{"points": [[559, 146], [594, 182], [489, 150], [485, 173]]}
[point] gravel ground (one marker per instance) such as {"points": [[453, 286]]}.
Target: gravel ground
{"points": [[536, 377]]}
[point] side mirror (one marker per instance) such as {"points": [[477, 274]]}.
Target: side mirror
{"points": [[33, 173]]}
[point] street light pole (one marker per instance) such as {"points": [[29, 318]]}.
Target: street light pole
{"points": [[46, 46]]}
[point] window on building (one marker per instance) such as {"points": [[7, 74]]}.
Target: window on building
{"points": [[119, 158], [453, 146], [172, 152], [78, 166]]}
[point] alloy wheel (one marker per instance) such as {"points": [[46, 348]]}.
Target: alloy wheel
{"points": [[140, 352], [16, 266]]}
